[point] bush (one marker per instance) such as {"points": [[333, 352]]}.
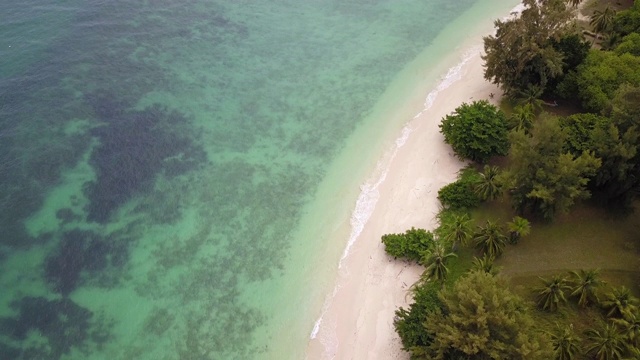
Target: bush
{"points": [[476, 131], [461, 193], [410, 245], [409, 323]]}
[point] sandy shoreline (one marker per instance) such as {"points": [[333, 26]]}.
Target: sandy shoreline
{"points": [[358, 321]]}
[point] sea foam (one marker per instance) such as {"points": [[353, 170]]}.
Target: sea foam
{"points": [[369, 195]]}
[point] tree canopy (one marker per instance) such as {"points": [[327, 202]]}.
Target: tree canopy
{"points": [[522, 53], [482, 319], [476, 131], [545, 178]]}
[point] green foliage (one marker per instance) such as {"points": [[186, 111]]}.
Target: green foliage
{"points": [[630, 44], [551, 294], [620, 303], [585, 286], [518, 227], [476, 131], [489, 186], [521, 53], [600, 76], [411, 245], [605, 342], [485, 264], [460, 194], [482, 319], [545, 179], [408, 323], [566, 345], [491, 239], [455, 228], [627, 21], [522, 118], [614, 140], [629, 327], [436, 263], [602, 20]]}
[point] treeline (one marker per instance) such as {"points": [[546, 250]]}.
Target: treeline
{"points": [[538, 58]]}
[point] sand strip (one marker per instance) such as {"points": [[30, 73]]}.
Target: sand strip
{"points": [[357, 322]]}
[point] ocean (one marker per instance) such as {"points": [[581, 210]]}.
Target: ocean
{"points": [[181, 179]]}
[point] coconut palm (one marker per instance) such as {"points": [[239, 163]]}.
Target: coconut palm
{"points": [[630, 328], [437, 264], [489, 187], [585, 285], [566, 345], [602, 20], [490, 239], [522, 117], [456, 229], [518, 227], [484, 264], [605, 342], [620, 302], [531, 96], [551, 293]]}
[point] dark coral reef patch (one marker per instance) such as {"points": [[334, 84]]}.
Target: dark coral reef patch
{"points": [[82, 255], [135, 146]]}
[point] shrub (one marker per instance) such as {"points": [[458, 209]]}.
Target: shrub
{"points": [[410, 245]]}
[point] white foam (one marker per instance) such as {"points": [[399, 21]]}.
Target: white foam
{"points": [[369, 195]]}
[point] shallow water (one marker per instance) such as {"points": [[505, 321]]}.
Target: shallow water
{"points": [[158, 159]]}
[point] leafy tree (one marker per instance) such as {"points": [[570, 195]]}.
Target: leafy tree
{"points": [[485, 264], [585, 286], [602, 20], [615, 140], [627, 21], [566, 345], [518, 227], [482, 319], [489, 187], [460, 194], [436, 263], [411, 245], [455, 228], [545, 179], [521, 53], [630, 44], [620, 303], [551, 294], [409, 322], [490, 239], [600, 76], [605, 343], [476, 131]]}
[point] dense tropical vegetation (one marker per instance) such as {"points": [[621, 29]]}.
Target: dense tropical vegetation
{"points": [[545, 162]]}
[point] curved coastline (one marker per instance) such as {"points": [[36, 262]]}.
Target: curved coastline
{"points": [[356, 320]]}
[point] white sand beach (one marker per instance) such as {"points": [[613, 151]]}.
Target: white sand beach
{"points": [[358, 320]]}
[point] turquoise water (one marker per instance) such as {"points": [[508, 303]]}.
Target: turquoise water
{"points": [[163, 164]]}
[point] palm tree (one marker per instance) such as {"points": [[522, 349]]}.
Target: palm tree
{"points": [[518, 227], [585, 286], [551, 294], [620, 302], [489, 187], [456, 230], [605, 343], [484, 264], [602, 20], [490, 239], [522, 117], [437, 268], [531, 96], [565, 343], [630, 328]]}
